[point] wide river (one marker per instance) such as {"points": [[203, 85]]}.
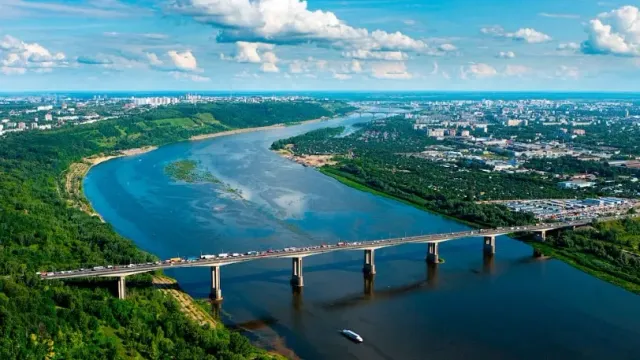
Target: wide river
{"points": [[511, 306]]}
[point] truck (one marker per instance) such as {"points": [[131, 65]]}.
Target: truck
{"points": [[207, 257], [96, 268], [223, 255], [175, 260]]}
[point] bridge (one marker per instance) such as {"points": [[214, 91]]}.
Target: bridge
{"points": [[298, 254]]}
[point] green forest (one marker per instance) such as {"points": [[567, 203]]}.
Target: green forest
{"points": [[380, 157], [607, 250], [39, 231]]}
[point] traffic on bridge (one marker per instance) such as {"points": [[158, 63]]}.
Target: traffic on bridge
{"points": [[215, 261]]}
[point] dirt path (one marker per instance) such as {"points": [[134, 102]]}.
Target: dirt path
{"points": [[188, 306]]}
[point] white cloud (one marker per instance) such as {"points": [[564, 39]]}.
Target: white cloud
{"points": [[570, 46], [269, 68], [12, 70], [506, 55], [247, 52], [16, 56], [153, 59], [478, 70], [559, 16], [340, 76], [527, 35], [185, 61], [186, 76], [616, 32], [495, 30], [288, 21], [390, 70], [567, 72], [447, 47], [409, 22], [376, 55], [269, 65], [356, 67], [517, 70], [435, 68]]}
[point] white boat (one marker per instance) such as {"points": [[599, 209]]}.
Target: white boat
{"points": [[352, 335]]}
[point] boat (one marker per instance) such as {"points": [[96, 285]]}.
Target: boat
{"points": [[352, 335]]}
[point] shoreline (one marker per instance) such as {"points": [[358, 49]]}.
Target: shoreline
{"points": [[261, 128], [547, 250], [77, 171]]}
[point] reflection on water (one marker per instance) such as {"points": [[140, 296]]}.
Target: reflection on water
{"points": [[531, 309]]}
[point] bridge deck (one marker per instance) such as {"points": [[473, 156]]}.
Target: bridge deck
{"points": [[315, 250]]}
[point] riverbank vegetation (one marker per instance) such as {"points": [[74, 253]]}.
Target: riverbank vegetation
{"points": [[381, 158], [608, 250], [374, 158], [39, 231]]}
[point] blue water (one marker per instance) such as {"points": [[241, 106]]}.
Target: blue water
{"points": [[511, 306]]}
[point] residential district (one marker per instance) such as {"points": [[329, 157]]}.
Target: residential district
{"points": [[23, 113]]}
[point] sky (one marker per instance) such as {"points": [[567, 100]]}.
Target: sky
{"points": [[236, 45]]}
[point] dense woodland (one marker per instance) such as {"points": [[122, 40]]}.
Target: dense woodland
{"points": [[40, 232], [378, 157]]}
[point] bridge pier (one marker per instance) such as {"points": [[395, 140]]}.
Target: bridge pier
{"points": [[490, 245], [122, 288], [297, 279], [432, 253], [432, 275], [368, 285], [216, 292], [369, 267], [542, 235]]}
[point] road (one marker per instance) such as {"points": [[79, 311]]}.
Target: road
{"points": [[118, 271]]}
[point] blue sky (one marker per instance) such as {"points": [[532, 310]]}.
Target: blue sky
{"points": [[579, 45]]}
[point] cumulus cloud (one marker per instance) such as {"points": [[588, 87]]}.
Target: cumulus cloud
{"points": [[376, 55], [269, 65], [17, 57], [391, 71], [478, 70], [288, 22], [616, 32], [247, 52], [255, 53], [184, 61], [506, 55], [527, 35]]}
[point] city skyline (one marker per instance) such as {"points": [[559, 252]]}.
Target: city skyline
{"points": [[289, 45]]}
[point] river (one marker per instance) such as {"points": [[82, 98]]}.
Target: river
{"points": [[511, 306]]}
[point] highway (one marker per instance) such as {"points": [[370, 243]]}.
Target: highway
{"points": [[301, 252]]}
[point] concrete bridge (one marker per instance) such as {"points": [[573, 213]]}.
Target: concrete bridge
{"points": [[298, 254]]}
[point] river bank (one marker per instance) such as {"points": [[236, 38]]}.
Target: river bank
{"points": [[76, 172], [261, 128], [546, 249]]}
